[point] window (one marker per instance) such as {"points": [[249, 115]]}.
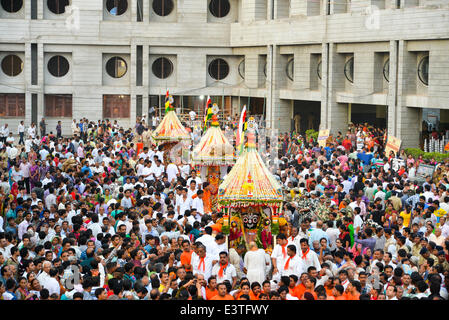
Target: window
{"points": [[117, 7], [57, 6], [290, 69], [162, 68], [319, 70], [58, 105], [116, 67], [12, 5], [265, 69], [218, 69], [12, 65], [12, 105], [423, 70], [386, 70], [116, 106], [349, 70], [163, 7], [219, 8], [242, 69], [139, 10], [58, 66]]}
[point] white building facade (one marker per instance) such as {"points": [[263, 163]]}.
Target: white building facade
{"points": [[324, 63]]}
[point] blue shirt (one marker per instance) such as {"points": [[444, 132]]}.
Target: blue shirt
{"points": [[365, 157], [316, 235]]}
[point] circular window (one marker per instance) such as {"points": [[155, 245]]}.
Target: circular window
{"points": [[319, 70], [57, 6], [242, 69], [349, 70], [116, 67], [386, 70], [58, 66], [163, 7], [12, 65], [12, 5], [289, 69], [218, 69], [162, 68], [423, 70], [219, 8], [117, 7]]}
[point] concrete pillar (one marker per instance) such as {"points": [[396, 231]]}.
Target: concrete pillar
{"points": [[253, 10], [40, 11], [41, 84], [339, 6], [279, 112], [334, 116], [132, 84], [252, 70], [392, 89], [305, 8], [281, 9], [363, 81], [302, 70], [27, 70], [408, 120]]}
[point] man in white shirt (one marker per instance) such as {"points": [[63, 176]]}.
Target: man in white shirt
{"points": [[209, 242], [183, 203], [44, 153], [50, 283], [139, 167], [223, 270], [10, 139], [308, 257], [22, 228], [202, 263], [45, 273], [50, 199], [198, 204], [21, 132], [157, 168], [292, 264], [333, 234], [279, 255], [95, 226], [16, 173], [172, 172], [197, 179]]}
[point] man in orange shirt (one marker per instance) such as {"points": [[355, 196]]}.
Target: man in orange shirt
{"points": [[222, 293], [292, 284], [338, 292], [255, 291], [353, 290], [186, 255], [266, 287], [300, 288], [211, 289], [310, 287]]}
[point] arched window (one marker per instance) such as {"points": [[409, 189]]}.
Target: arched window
{"points": [[162, 68], [116, 67], [12, 65], [58, 66], [219, 8], [218, 69], [423, 70], [349, 70]]}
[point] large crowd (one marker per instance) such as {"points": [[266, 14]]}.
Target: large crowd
{"points": [[91, 217]]}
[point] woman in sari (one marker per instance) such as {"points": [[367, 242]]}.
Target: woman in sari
{"points": [[34, 174]]}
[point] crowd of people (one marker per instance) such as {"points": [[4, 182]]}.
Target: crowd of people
{"points": [[90, 217]]}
